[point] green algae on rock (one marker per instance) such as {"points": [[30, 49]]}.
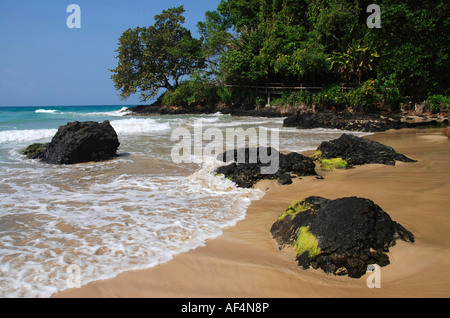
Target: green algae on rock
{"points": [[342, 236]]}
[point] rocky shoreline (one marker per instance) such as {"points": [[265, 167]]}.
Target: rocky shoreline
{"points": [[155, 110], [248, 164], [342, 236], [245, 260], [310, 225], [364, 122], [297, 117]]}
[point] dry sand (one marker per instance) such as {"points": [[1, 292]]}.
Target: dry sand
{"points": [[246, 262]]}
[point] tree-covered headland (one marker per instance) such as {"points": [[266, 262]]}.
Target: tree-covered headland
{"points": [[322, 53]]}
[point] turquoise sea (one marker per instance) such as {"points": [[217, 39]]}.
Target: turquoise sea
{"points": [[16, 121], [97, 220]]}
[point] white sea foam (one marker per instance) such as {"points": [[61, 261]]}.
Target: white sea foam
{"points": [[123, 126], [202, 120], [117, 113], [139, 125], [47, 111], [103, 223], [258, 121], [9, 136]]}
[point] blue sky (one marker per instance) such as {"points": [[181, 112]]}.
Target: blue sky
{"points": [[44, 63]]}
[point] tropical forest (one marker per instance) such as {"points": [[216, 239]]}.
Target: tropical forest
{"points": [[322, 54]]}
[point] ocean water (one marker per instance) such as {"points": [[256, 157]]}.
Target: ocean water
{"points": [[64, 226]]}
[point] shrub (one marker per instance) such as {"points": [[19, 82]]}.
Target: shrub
{"points": [[294, 98], [438, 103], [196, 91], [330, 98], [389, 93], [225, 94], [301, 97], [364, 97], [178, 97]]}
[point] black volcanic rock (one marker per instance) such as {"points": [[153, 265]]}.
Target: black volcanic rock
{"points": [[245, 172], [355, 122], [343, 121], [341, 237], [359, 150], [80, 142]]}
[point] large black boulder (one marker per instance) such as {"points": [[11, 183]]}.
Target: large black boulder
{"points": [[342, 236], [80, 142], [246, 170], [359, 150]]}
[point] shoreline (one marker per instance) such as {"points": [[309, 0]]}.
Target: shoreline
{"points": [[245, 262]]}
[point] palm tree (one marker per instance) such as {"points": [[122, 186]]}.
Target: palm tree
{"points": [[356, 62]]}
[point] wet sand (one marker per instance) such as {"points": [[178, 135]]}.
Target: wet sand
{"points": [[245, 261]]}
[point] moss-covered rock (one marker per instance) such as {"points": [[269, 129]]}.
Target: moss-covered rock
{"points": [[329, 164], [333, 163], [35, 151], [296, 207], [342, 236], [306, 242], [358, 151]]}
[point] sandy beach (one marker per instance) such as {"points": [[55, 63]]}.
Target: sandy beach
{"points": [[245, 261]]}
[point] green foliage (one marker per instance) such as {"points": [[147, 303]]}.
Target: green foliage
{"points": [[329, 41], [438, 103], [225, 95], [415, 45], [331, 98], [243, 14], [364, 97], [335, 22], [241, 64], [293, 41], [177, 97], [388, 92], [196, 91], [355, 63], [214, 31], [294, 98], [157, 56], [272, 43]]}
